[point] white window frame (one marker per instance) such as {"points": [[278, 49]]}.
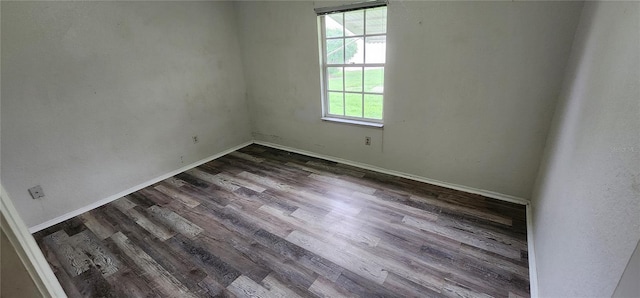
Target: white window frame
{"points": [[322, 12]]}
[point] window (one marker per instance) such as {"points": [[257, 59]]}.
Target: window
{"points": [[353, 47]]}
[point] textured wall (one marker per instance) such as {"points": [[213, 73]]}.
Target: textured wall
{"points": [[470, 87], [586, 222], [98, 97]]}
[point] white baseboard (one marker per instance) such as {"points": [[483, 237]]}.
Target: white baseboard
{"points": [[533, 273], [52, 285], [486, 193], [27, 249], [109, 199]]}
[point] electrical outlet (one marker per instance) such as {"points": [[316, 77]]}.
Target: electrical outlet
{"points": [[36, 192], [367, 141], [195, 139]]}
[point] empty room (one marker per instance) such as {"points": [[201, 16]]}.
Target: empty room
{"points": [[320, 148]]}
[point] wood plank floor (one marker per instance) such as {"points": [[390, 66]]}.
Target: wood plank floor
{"points": [[262, 222]]}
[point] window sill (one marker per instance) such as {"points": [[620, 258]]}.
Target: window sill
{"points": [[354, 122]]}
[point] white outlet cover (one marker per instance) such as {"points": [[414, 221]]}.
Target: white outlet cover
{"points": [[36, 192]]}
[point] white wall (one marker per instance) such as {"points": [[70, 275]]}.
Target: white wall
{"points": [[98, 97], [586, 209], [470, 87]]}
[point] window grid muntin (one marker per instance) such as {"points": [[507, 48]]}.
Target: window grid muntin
{"points": [[355, 36]]}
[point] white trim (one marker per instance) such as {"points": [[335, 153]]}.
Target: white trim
{"points": [[109, 199], [39, 269], [28, 250], [348, 7], [355, 122], [482, 192], [533, 273], [344, 118]]}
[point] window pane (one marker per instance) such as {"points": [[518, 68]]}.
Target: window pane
{"points": [[376, 20], [375, 49], [374, 79], [353, 79], [353, 104], [336, 105], [333, 25], [354, 22], [354, 50], [335, 78], [335, 51], [373, 106]]}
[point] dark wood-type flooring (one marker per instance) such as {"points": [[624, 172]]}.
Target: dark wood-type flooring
{"points": [[262, 222]]}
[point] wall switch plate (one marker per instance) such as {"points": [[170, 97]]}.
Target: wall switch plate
{"points": [[36, 192]]}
